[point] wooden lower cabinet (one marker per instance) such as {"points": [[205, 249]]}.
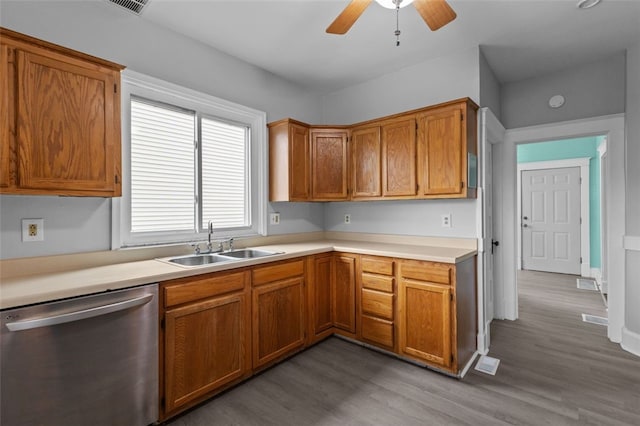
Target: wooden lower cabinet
{"points": [[205, 347], [437, 317], [206, 343], [278, 305], [377, 301], [319, 294], [344, 292], [425, 321], [220, 328]]}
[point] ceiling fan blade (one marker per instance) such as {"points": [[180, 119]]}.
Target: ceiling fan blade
{"points": [[348, 17], [436, 13]]}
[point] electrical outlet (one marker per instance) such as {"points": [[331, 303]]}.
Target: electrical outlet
{"points": [[274, 218], [347, 218], [445, 220], [32, 230]]}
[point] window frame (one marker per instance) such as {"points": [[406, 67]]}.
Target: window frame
{"points": [[162, 92]]}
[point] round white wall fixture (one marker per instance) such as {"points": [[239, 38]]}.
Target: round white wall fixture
{"points": [[556, 101]]}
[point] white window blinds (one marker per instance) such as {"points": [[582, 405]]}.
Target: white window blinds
{"points": [[224, 174], [177, 177], [162, 168]]}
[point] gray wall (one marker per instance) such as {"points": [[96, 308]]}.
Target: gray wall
{"points": [[633, 187], [80, 224], [591, 90], [427, 83], [411, 217], [489, 88]]}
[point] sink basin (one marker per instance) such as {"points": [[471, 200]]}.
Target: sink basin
{"points": [[247, 254], [199, 259]]}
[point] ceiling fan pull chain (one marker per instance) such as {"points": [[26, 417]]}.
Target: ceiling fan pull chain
{"points": [[397, 32]]}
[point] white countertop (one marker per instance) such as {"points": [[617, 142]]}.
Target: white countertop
{"points": [[41, 287]]}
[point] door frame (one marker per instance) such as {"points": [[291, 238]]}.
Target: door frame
{"points": [[490, 132], [585, 242], [600, 275], [611, 126]]}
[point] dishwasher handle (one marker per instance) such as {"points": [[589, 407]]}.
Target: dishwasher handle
{"points": [[79, 315]]}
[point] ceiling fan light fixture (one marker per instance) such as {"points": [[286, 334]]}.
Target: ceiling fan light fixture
{"points": [[587, 4], [391, 4]]}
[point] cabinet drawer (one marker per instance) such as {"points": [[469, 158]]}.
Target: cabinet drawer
{"points": [[377, 265], [188, 289], [377, 303], [377, 282], [377, 331], [427, 271], [267, 274]]}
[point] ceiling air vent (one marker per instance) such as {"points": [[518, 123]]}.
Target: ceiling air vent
{"points": [[134, 6]]}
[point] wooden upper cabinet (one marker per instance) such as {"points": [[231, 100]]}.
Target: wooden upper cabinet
{"points": [[329, 164], [399, 158], [366, 155], [426, 153], [65, 107], [446, 140], [289, 157], [7, 114]]}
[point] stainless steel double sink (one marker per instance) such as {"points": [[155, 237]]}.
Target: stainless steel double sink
{"points": [[229, 256]]}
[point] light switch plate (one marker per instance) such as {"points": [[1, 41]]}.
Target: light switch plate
{"points": [[274, 218], [32, 230]]}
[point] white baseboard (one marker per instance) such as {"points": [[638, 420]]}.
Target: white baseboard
{"points": [[468, 366], [630, 341]]}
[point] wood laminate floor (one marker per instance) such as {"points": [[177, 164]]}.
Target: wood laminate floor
{"points": [[554, 370]]}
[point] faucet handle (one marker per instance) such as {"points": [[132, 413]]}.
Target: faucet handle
{"points": [[231, 244], [196, 247]]}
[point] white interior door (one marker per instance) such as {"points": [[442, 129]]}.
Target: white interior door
{"points": [[551, 220]]}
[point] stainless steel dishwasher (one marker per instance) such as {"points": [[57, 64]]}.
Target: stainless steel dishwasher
{"points": [[90, 360]]}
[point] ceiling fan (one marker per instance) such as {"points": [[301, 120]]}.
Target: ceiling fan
{"points": [[436, 13]]}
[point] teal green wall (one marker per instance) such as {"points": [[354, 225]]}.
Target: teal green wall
{"points": [[574, 148]]}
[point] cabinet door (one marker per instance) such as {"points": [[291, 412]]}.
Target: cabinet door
{"points": [[425, 321], [329, 160], [278, 320], [399, 158], [299, 173], [205, 347], [344, 293], [68, 132], [321, 295], [441, 152], [366, 153], [7, 118]]}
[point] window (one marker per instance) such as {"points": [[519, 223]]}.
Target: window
{"points": [[188, 158]]}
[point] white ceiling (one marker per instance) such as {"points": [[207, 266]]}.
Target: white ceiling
{"points": [[520, 38]]}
